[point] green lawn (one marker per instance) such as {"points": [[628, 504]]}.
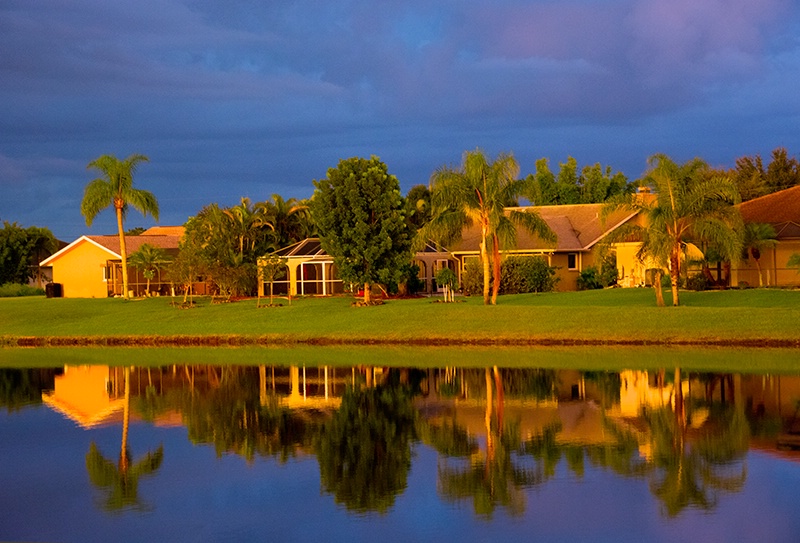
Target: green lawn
{"points": [[616, 315]]}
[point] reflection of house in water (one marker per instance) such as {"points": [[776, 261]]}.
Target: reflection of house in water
{"points": [[562, 398], [87, 395]]}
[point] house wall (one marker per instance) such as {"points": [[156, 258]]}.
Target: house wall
{"points": [[80, 272], [774, 271]]}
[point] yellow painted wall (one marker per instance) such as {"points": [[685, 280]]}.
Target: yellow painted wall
{"points": [[774, 271], [80, 271]]}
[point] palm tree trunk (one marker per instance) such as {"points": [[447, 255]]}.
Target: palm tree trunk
{"points": [[122, 252], [657, 286], [496, 268], [758, 267], [674, 272], [485, 262]]}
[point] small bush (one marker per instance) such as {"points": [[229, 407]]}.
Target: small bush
{"points": [[472, 280], [697, 282], [518, 275], [524, 274], [12, 290], [589, 279]]}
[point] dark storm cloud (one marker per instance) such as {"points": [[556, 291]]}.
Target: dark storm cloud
{"points": [[252, 98]]}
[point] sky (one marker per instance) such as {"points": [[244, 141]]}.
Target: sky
{"points": [[254, 98]]}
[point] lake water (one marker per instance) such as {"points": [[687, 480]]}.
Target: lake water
{"points": [[394, 452]]}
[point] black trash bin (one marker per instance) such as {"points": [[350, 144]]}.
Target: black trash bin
{"points": [[52, 290]]}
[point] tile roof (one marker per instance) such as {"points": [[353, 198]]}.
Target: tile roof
{"points": [[133, 243], [780, 209], [164, 231], [578, 227]]}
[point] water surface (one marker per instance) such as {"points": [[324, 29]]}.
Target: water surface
{"points": [[309, 452]]}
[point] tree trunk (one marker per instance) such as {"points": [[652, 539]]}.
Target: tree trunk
{"points": [[367, 294], [657, 286], [758, 267], [496, 268], [674, 272], [485, 262], [122, 252]]}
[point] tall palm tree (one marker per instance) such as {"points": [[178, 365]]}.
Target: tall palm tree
{"points": [[115, 188], [757, 237], [688, 204], [477, 193]]}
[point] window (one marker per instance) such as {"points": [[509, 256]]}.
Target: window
{"points": [[572, 261]]}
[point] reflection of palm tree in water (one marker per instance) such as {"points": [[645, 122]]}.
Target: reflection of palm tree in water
{"points": [[692, 474], [121, 480], [494, 480]]}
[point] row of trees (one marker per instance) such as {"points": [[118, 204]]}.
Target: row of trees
{"points": [[370, 229]]}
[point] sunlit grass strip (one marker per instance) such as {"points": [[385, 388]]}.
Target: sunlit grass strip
{"points": [[757, 317], [728, 360]]}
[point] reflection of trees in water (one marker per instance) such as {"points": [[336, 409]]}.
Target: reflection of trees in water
{"points": [[21, 387], [691, 469], [230, 416], [121, 480], [493, 478], [364, 449]]}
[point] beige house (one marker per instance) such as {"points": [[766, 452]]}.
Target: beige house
{"points": [[579, 228], [311, 271], [782, 211]]}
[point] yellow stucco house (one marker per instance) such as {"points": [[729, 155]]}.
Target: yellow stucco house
{"points": [[781, 210], [91, 266]]}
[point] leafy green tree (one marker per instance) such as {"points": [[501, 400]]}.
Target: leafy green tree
{"points": [[754, 180], [757, 237], [358, 210], [21, 250], [594, 184], [190, 264], [447, 279], [149, 259], [115, 188], [567, 182], [783, 171], [270, 268], [688, 204], [597, 185], [542, 190], [476, 194]]}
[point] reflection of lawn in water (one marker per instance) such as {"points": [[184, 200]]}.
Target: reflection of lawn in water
{"points": [[773, 361], [608, 315]]}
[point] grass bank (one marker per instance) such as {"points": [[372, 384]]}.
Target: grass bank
{"points": [[757, 317]]}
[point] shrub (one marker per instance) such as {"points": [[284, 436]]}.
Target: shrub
{"points": [[472, 280], [518, 275], [521, 275], [12, 290], [589, 279], [698, 282]]}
